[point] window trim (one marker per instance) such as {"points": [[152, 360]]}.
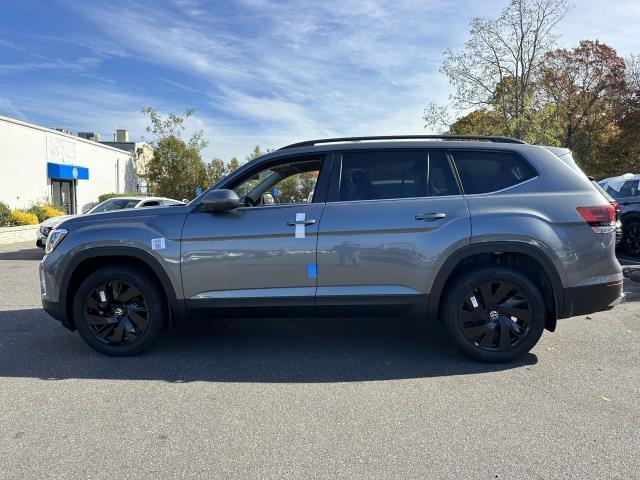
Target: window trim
{"points": [[535, 171], [333, 192]]}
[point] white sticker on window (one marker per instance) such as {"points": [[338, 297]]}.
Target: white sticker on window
{"points": [[157, 243], [300, 228]]}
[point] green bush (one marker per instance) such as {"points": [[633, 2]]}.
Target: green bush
{"points": [[38, 211], [5, 215], [107, 196]]}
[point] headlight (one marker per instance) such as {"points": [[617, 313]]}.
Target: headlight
{"points": [[55, 237], [45, 230]]}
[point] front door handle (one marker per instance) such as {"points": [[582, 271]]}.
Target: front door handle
{"points": [[309, 221], [430, 217]]}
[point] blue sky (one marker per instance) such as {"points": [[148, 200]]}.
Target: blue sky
{"points": [[256, 71]]}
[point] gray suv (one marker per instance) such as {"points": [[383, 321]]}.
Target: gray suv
{"points": [[492, 237]]}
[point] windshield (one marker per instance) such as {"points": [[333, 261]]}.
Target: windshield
{"points": [[114, 204], [621, 188]]}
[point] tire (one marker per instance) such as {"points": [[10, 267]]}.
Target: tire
{"points": [[630, 242], [485, 329], [119, 311]]}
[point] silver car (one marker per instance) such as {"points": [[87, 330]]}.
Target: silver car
{"points": [[493, 238], [115, 203]]}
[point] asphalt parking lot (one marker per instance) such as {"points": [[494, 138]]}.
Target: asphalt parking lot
{"points": [[302, 398]]}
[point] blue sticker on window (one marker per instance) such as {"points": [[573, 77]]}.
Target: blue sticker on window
{"points": [[312, 270]]}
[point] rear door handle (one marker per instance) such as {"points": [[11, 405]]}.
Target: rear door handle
{"points": [[309, 221], [430, 217]]}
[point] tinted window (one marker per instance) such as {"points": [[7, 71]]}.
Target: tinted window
{"points": [[370, 175], [483, 172], [628, 189]]}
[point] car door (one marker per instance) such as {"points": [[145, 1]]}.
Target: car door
{"points": [[392, 217], [261, 255]]}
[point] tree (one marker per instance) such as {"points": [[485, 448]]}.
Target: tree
{"points": [[623, 151], [216, 171], [257, 152], [233, 164], [499, 65], [173, 126], [586, 84], [176, 168], [588, 89], [478, 122]]}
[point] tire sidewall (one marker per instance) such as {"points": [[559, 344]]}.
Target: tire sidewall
{"points": [[469, 280], [152, 294], [626, 227]]}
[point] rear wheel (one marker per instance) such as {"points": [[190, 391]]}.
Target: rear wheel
{"points": [[494, 314], [119, 311], [630, 242]]}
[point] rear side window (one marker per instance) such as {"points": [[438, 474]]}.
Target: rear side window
{"points": [[376, 175], [486, 171]]}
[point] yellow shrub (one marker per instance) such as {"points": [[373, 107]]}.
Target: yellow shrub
{"points": [[18, 217], [51, 211]]}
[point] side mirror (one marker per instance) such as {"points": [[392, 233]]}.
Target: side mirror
{"points": [[221, 200]]}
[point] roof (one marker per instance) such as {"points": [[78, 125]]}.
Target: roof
{"points": [[22, 123], [378, 138], [392, 144], [617, 182]]}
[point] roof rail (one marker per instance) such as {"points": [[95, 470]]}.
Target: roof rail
{"points": [[483, 138]]}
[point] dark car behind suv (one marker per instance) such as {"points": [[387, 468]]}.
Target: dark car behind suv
{"points": [[494, 238]]}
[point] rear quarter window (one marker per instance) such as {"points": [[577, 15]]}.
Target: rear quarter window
{"points": [[488, 171]]}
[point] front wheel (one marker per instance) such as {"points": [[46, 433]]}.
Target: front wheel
{"points": [[119, 310], [494, 314]]}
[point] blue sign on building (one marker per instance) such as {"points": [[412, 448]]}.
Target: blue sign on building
{"points": [[71, 172]]}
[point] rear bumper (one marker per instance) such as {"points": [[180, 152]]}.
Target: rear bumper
{"points": [[592, 298]]}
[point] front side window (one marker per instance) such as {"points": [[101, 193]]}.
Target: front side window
{"points": [[288, 183], [487, 171], [377, 175]]}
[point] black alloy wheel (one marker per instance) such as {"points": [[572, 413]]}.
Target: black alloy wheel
{"points": [[116, 313], [120, 310], [494, 313], [631, 238], [494, 316]]}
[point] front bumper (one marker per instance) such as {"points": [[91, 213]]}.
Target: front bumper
{"points": [[50, 296], [592, 298], [41, 239]]}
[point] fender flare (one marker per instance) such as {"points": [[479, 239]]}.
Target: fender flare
{"points": [[176, 306], [490, 247]]}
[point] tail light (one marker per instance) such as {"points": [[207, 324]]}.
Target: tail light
{"points": [[600, 218], [616, 208]]}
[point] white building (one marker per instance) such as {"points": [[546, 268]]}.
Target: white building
{"points": [[39, 164]]}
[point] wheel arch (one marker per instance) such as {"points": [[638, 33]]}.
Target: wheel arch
{"points": [[627, 216], [90, 259], [490, 253]]}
